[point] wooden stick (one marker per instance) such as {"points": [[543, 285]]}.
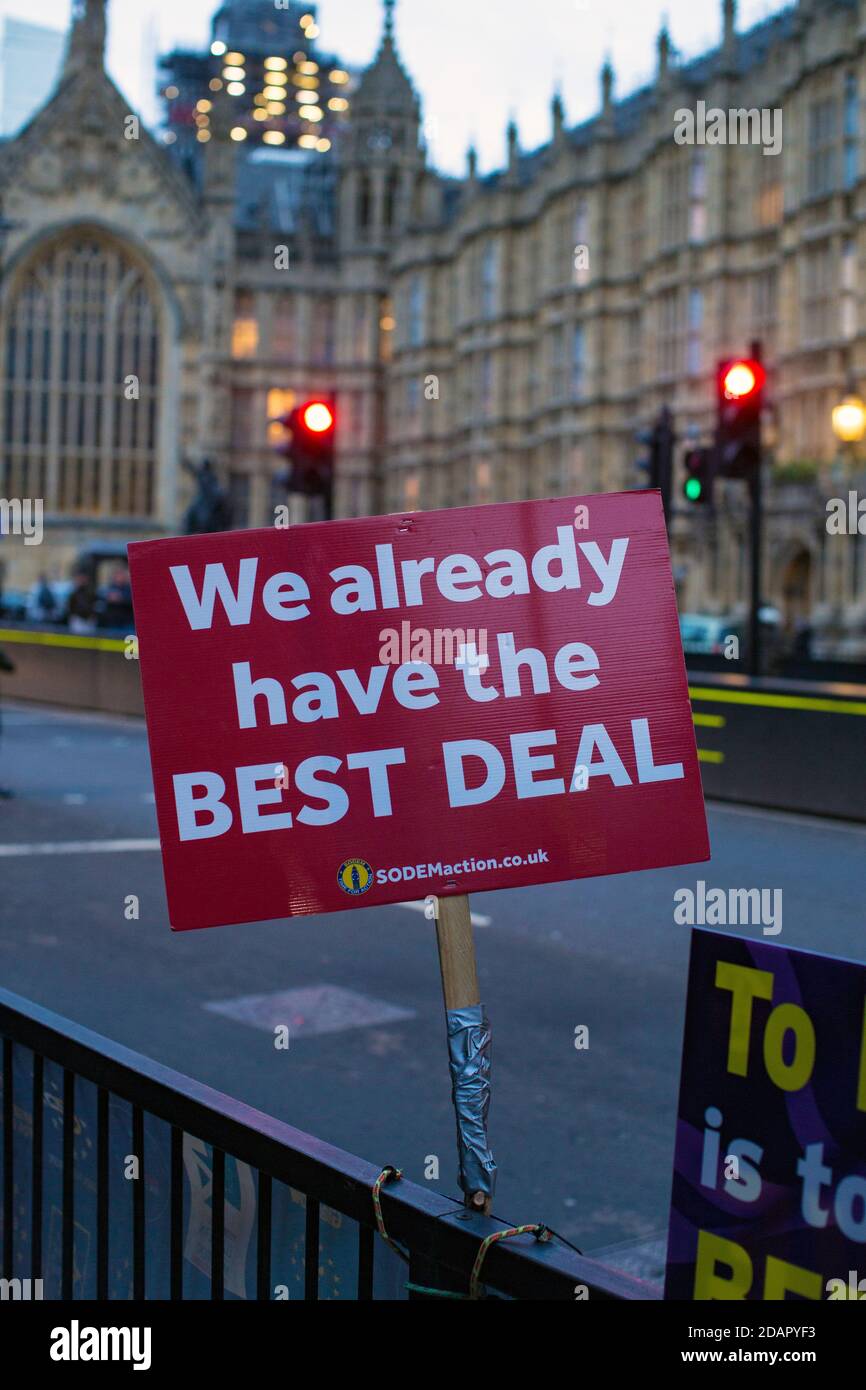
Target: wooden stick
{"points": [[457, 953], [459, 978]]}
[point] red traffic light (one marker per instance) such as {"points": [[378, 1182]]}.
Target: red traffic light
{"points": [[317, 417], [742, 379]]}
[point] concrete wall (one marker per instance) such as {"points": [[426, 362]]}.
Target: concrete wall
{"points": [[79, 672]]}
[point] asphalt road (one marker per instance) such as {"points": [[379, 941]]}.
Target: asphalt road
{"points": [[583, 1138]]}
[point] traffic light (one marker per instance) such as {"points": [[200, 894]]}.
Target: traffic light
{"points": [[658, 463], [698, 484], [740, 394], [310, 450]]}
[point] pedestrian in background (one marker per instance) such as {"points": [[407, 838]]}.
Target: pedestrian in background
{"points": [[44, 602], [116, 601], [82, 604]]}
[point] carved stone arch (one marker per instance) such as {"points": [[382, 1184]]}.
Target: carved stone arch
{"points": [[136, 248], [794, 579]]}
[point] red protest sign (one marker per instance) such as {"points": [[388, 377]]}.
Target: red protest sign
{"points": [[358, 712]]}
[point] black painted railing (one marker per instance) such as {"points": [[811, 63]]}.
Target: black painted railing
{"points": [[123, 1179]]}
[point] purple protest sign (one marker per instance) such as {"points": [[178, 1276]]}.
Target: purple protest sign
{"points": [[769, 1188]]}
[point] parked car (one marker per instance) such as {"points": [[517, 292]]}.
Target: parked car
{"points": [[704, 634], [13, 603]]}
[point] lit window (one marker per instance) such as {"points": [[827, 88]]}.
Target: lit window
{"points": [[218, 48], [310, 113], [274, 137], [203, 105], [202, 135], [234, 74], [306, 19], [308, 142], [276, 64], [338, 104], [215, 84], [339, 77], [278, 79], [280, 402], [259, 114], [171, 93], [245, 337], [236, 89], [308, 68], [273, 93], [238, 133], [312, 31], [235, 58], [276, 108], [323, 145]]}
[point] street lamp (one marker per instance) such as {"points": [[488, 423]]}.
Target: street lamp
{"points": [[849, 427], [849, 420]]}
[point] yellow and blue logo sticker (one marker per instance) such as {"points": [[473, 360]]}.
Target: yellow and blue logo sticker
{"points": [[355, 876]]}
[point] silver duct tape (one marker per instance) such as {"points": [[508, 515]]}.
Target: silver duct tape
{"points": [[469, 1060]]}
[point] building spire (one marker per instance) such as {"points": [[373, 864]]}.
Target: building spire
{"points": [[389, 21], [85, 46]]}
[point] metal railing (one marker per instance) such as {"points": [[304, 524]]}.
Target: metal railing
{"points": [[61, 1088]]}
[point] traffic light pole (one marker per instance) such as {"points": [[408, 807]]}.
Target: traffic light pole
{"points": [[757, 498], [664, 447], [755, 490]]}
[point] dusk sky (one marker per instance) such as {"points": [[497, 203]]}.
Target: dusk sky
{"points": [[475, 62]]}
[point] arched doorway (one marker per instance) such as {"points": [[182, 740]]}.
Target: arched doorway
{"points": [[80, 353], [796, 589]]}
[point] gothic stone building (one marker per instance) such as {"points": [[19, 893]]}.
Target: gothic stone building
{"points": [[488, 338]]}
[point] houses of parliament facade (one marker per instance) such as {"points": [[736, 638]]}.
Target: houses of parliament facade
{"points": [[488, 338]]}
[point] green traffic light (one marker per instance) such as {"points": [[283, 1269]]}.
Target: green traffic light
{"points": [[693, 489]]}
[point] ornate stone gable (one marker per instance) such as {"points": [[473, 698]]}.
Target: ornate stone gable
{"points": [[86, 148]]}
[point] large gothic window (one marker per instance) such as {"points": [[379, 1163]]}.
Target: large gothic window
{"points": [[79, 382]]}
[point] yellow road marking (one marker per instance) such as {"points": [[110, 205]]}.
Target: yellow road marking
{"points": [[709, 755], [63, 639], [709, 721], [800, 702]]}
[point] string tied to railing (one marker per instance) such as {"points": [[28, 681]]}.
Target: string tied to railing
{"points": [[388, 1173], [542, 1233]]}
